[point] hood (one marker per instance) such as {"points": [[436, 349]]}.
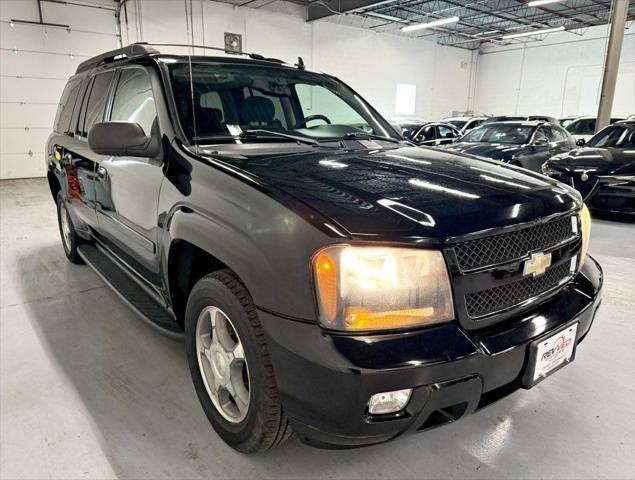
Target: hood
{"points": [[496, 151], [600, 161], [410, 192]]}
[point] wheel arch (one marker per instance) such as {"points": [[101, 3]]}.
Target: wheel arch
{"points": [[54, 184], [187, 263], [200, 245]]}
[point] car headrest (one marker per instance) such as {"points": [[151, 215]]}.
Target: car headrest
{"points": [[257, 110], [208, 120]]}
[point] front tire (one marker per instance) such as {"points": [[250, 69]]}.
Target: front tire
{"points": [[230, 365], [70, 239]]}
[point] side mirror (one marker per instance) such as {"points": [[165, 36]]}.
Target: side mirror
{"points": [[580, 142], [122, 139]]}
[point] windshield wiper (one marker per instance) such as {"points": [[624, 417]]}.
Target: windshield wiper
{"points": [[359, 135], [257, 133]]}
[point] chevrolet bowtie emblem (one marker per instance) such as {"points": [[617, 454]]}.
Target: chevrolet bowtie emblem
{"points": [[537, 264]]}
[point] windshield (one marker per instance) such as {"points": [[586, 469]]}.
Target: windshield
{"points": [[512, 134], [458, 123], [616, 136], [221, 102]]}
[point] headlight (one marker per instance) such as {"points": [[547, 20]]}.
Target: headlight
{"points": [[585, 222], [381, 288]]}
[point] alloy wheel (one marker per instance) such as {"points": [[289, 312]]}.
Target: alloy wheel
{"points": [[222, 363]]}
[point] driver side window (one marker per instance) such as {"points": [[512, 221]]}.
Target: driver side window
{"points": [[426, 134], [317, 100], [541, 136]]}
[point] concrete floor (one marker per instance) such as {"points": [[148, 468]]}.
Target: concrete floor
{"points": [[89, 391]]}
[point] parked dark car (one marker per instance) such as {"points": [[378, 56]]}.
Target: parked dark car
{"points": [[564, 121], [583, 128], [525, 144], [435, 133], [328, 278], [525, 118], [603, 171], [408, 127], [464, 124]]}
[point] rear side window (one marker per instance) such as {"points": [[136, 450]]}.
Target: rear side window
{"points": [[558, 134], [97, 98], [65, 108], [134, 101], [445, 132]]}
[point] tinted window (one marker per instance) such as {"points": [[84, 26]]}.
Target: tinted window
{"points": [[458, 123], [134, 101], [512, 134], [542, 135], [318, 100], [67, 102], [473, 124], [582, 127], [558, 134], [614, 136], [97, 101], [218, 102], [445, 132], [426, 134]]}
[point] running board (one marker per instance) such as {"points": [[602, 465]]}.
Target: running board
{"points": [[130, 291]]}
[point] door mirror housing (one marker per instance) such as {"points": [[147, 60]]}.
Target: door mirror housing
{"points": [[122, 139], [580, 142]]}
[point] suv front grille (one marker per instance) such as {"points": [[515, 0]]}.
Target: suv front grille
{"points": [[509, 246], [486, 302]]}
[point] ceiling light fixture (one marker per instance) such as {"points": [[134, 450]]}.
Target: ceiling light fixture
{"points": [[435, 23], [534, 32], [383, 16], [537, 3]]}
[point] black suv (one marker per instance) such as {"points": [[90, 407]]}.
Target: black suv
{"points": [[328, 278]]}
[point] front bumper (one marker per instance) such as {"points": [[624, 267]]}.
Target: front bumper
{"points": [[325, 380]]}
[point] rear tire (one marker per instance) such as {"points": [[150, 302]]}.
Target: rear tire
{"points": [[238, 392], [70, 239]]}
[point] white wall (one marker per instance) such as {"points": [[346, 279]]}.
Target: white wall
{"points": [[371, 63], [34, 74], [559, 76]]}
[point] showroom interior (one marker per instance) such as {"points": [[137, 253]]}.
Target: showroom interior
{"points": [[90, 390]]}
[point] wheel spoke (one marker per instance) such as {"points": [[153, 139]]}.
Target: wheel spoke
{"points": [[241, 397], [238, 352]]}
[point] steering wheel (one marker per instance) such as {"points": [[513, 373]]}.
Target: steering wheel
{"points": [[305, 120]]}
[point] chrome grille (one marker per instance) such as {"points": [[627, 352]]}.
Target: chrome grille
{"points": [[514, 245], [487, 302]]}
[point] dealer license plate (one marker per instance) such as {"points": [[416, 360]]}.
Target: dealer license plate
{"points": [[550, 354]]}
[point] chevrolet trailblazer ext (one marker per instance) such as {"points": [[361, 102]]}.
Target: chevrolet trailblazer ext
{"points": [[329, 278]]}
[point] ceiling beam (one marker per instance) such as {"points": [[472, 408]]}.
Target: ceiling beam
{"points": [[318, 10]]}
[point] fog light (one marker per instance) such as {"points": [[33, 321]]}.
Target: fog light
{"points": [[389, 402]]}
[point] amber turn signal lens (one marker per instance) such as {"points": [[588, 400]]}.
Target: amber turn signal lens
{"points": [[365, 320], [585, 223], [326, 276]]}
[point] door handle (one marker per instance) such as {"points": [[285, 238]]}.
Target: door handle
{"points": [[102, 173]]}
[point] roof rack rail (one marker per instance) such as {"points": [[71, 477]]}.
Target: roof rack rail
{"points": [[142, 49], [129, 51], [254, 56]]}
